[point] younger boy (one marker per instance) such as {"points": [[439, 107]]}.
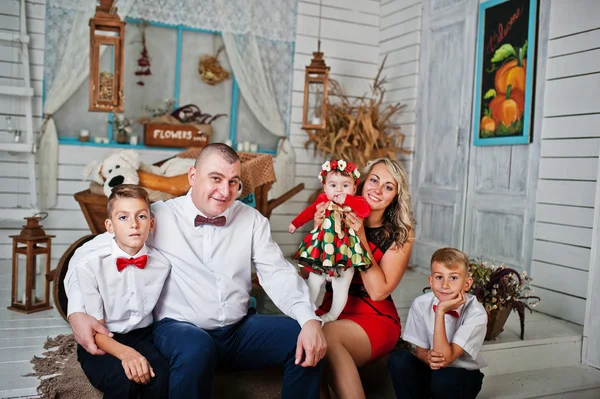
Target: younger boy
{"points": [[120, 286], [447, 326]]}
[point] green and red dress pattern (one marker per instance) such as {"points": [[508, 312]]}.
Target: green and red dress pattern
{"points": [[324, 251]]}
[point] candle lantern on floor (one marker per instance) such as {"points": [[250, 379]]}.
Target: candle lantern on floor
{"points": [[31, 250], [107, 36]]}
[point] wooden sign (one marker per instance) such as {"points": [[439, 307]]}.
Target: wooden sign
{"points": [[182, 136]]}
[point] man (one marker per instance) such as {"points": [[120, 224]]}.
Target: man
{"points": [[202, 318]]}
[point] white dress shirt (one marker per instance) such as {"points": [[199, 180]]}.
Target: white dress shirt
{"points": [[125, 299], [467, 330], [210, 278]]}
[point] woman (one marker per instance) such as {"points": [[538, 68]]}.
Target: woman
{"points": [[369, 326]]}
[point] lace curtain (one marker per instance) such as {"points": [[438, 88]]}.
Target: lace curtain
{"points": [[259, 34]]}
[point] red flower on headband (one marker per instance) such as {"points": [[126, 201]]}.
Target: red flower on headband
{"points": [[333, 164], [350, 167]]}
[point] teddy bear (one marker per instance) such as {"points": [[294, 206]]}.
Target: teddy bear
{"points": [[121, 167]]}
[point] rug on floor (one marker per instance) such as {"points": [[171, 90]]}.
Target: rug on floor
{"points": [[59, 371]]}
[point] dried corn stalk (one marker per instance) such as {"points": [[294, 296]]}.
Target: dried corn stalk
{"points": [[359, 130]]}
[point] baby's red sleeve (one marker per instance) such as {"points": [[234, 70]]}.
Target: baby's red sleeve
{"points": [[309, 213], [359, 205]]}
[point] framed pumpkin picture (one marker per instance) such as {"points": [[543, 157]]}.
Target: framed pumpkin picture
{"points": [[504, 72]]}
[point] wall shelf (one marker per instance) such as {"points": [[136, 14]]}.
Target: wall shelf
{"points": [[75, 141]]}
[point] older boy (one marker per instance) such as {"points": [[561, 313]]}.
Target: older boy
{"points": [[120, 286], [447, 326]]}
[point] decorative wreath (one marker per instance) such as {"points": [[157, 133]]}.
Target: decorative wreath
{"points": [[340, 165], [210, 69]]}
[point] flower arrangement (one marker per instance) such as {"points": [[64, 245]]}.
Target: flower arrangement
{"points": [[499, 287], [210, 69], [122, 127], [340, 165], [166, 108]]}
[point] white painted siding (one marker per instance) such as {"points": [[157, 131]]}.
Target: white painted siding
{"points": [[399, 40], [10, 63], [350, 43], [569, 159]]}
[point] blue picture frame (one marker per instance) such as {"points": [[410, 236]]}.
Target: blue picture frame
{"points": [[504, 74]]}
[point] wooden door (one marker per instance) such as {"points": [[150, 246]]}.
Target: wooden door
{"points": [[502, 184], [443, 125]]}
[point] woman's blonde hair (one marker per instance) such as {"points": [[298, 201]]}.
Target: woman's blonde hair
{"points": [[398, 219]]}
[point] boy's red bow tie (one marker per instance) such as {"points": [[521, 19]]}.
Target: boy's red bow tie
{"points": [[139, 262], [218, 221], [450, 312]]}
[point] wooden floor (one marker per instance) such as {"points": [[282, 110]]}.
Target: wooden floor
{"points": [[22, 337]]}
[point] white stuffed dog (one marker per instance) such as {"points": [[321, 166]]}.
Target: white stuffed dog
{"points": [[117, 168], [121, 168]]}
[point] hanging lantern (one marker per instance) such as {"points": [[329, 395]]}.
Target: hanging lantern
{"points": [[314, 111], [107, 38], [31, 251]]}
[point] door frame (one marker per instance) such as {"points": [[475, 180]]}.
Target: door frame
{"points": [[590, 351]]}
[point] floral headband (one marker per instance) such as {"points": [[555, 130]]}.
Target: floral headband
{"points": [[340, 165]]}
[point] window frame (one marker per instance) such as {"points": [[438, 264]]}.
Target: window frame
{"points": [[235, 97]]}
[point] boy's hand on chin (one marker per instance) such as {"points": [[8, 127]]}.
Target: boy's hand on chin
{"points": [[451, 304]]}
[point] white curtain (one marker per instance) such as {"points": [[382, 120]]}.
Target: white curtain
{"points": [[69, 66], [257, 86]]}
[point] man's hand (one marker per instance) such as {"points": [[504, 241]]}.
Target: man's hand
{"points": [[136, 366], [84, 328], [451, 304], [311, 344], [435, 360]]}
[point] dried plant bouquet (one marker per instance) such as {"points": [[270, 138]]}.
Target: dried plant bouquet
{"points": [[498, 287], [361, 129]]}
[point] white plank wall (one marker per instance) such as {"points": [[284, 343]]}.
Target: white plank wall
{"points": [[399, 41], [10, 63], [350, 43], [569, 160]]}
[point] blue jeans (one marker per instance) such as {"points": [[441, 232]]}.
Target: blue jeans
{"points": [[255, 342], [414, 379]]}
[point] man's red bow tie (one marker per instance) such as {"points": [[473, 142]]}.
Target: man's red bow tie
{"points": [[218, 221], [450, 312], [139, 262]]}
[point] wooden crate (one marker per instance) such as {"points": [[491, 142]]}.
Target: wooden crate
{"points": [[180, 136]]}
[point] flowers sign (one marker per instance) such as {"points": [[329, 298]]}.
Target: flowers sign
{"points": [[504, 72]]}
